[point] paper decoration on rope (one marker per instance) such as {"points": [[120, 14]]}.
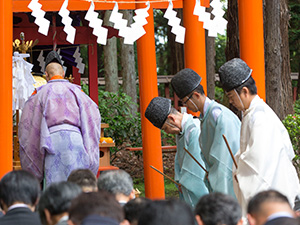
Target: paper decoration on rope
{"points": [[41, 60], [135, 30], [62, 61], [67, 21], [22, 80], [39, 14], [78, 60], [200, 11], [117, 18], [174, 22], [96, 24], [218, 23]]}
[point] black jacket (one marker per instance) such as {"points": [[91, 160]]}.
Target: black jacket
{"points": [[20, 216]]}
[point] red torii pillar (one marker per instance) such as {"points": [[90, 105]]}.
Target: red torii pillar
{"points": [[194, 46], [152, 153], [6, 32], [252, 40]]}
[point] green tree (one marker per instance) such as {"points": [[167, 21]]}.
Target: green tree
{"points": [[220, 51], [294, 35]]}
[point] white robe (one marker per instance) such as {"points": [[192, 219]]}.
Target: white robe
{"points": [[265, 156]]}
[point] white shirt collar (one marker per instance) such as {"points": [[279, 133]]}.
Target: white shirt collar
{"points": [[254, 100], [279, 214], [206, 104], [18, 205]]}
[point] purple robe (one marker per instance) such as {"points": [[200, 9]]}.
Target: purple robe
{"points": [[59, 131]]}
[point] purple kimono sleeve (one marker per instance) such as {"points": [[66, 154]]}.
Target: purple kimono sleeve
{"points": [[30, 137], [90, 128]]}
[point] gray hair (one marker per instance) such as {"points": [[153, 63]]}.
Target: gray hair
{"points": [[116, 182]]}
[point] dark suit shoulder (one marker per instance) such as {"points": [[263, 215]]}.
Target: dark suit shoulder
{"points": [[283, 221], [20, 216]]}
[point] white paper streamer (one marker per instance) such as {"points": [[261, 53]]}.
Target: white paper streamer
{"points": [[39, 14], [78, 60], [117, 18], [136, 29], [62, 61], [96, 24], [215, 26], [174, 22], [67, 21], [22, 80], [41, 60], [218, 23], [203, 16]]}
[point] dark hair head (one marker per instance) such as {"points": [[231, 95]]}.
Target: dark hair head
{"points": [[217, 208], [115, 182], [57, 198], [134, 208], [255, 203], [19, 186], [250, 84], [83, 177], [167, 212], [95, 203], [199, 89]]}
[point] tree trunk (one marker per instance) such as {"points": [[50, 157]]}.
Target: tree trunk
{"points": [[233, 43], [128, 67], [210, 63], [110, 60], [232, 49], [176, 56], [278, 79], [298, 83]]}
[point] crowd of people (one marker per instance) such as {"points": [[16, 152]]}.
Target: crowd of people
{"points": [[229, 171], [110, 200]]}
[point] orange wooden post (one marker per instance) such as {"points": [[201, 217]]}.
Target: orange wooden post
{"points": [[252, 40], [194, 45], [152, 154], [6, 33]]}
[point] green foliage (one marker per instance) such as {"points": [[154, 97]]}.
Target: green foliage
{"points": [[294, 34], [219, 94], [161, 42], [115, 111], [292, 124], [220, 50], [297, 107], [123, 126], [167, 139], [171, 190]]}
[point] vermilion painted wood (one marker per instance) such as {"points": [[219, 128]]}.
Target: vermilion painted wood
{"points": [[252, 41], [152, 155], [6, 125], [81, 5], [194, 46]]}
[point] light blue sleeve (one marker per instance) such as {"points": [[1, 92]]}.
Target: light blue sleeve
{"points": [[191, 175], [220, 173]]}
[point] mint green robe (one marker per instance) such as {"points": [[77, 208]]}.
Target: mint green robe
{"points": [[214, 150], [187, 172]]}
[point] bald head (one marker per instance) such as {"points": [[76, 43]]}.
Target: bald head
{"points": [[53, 69]]}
